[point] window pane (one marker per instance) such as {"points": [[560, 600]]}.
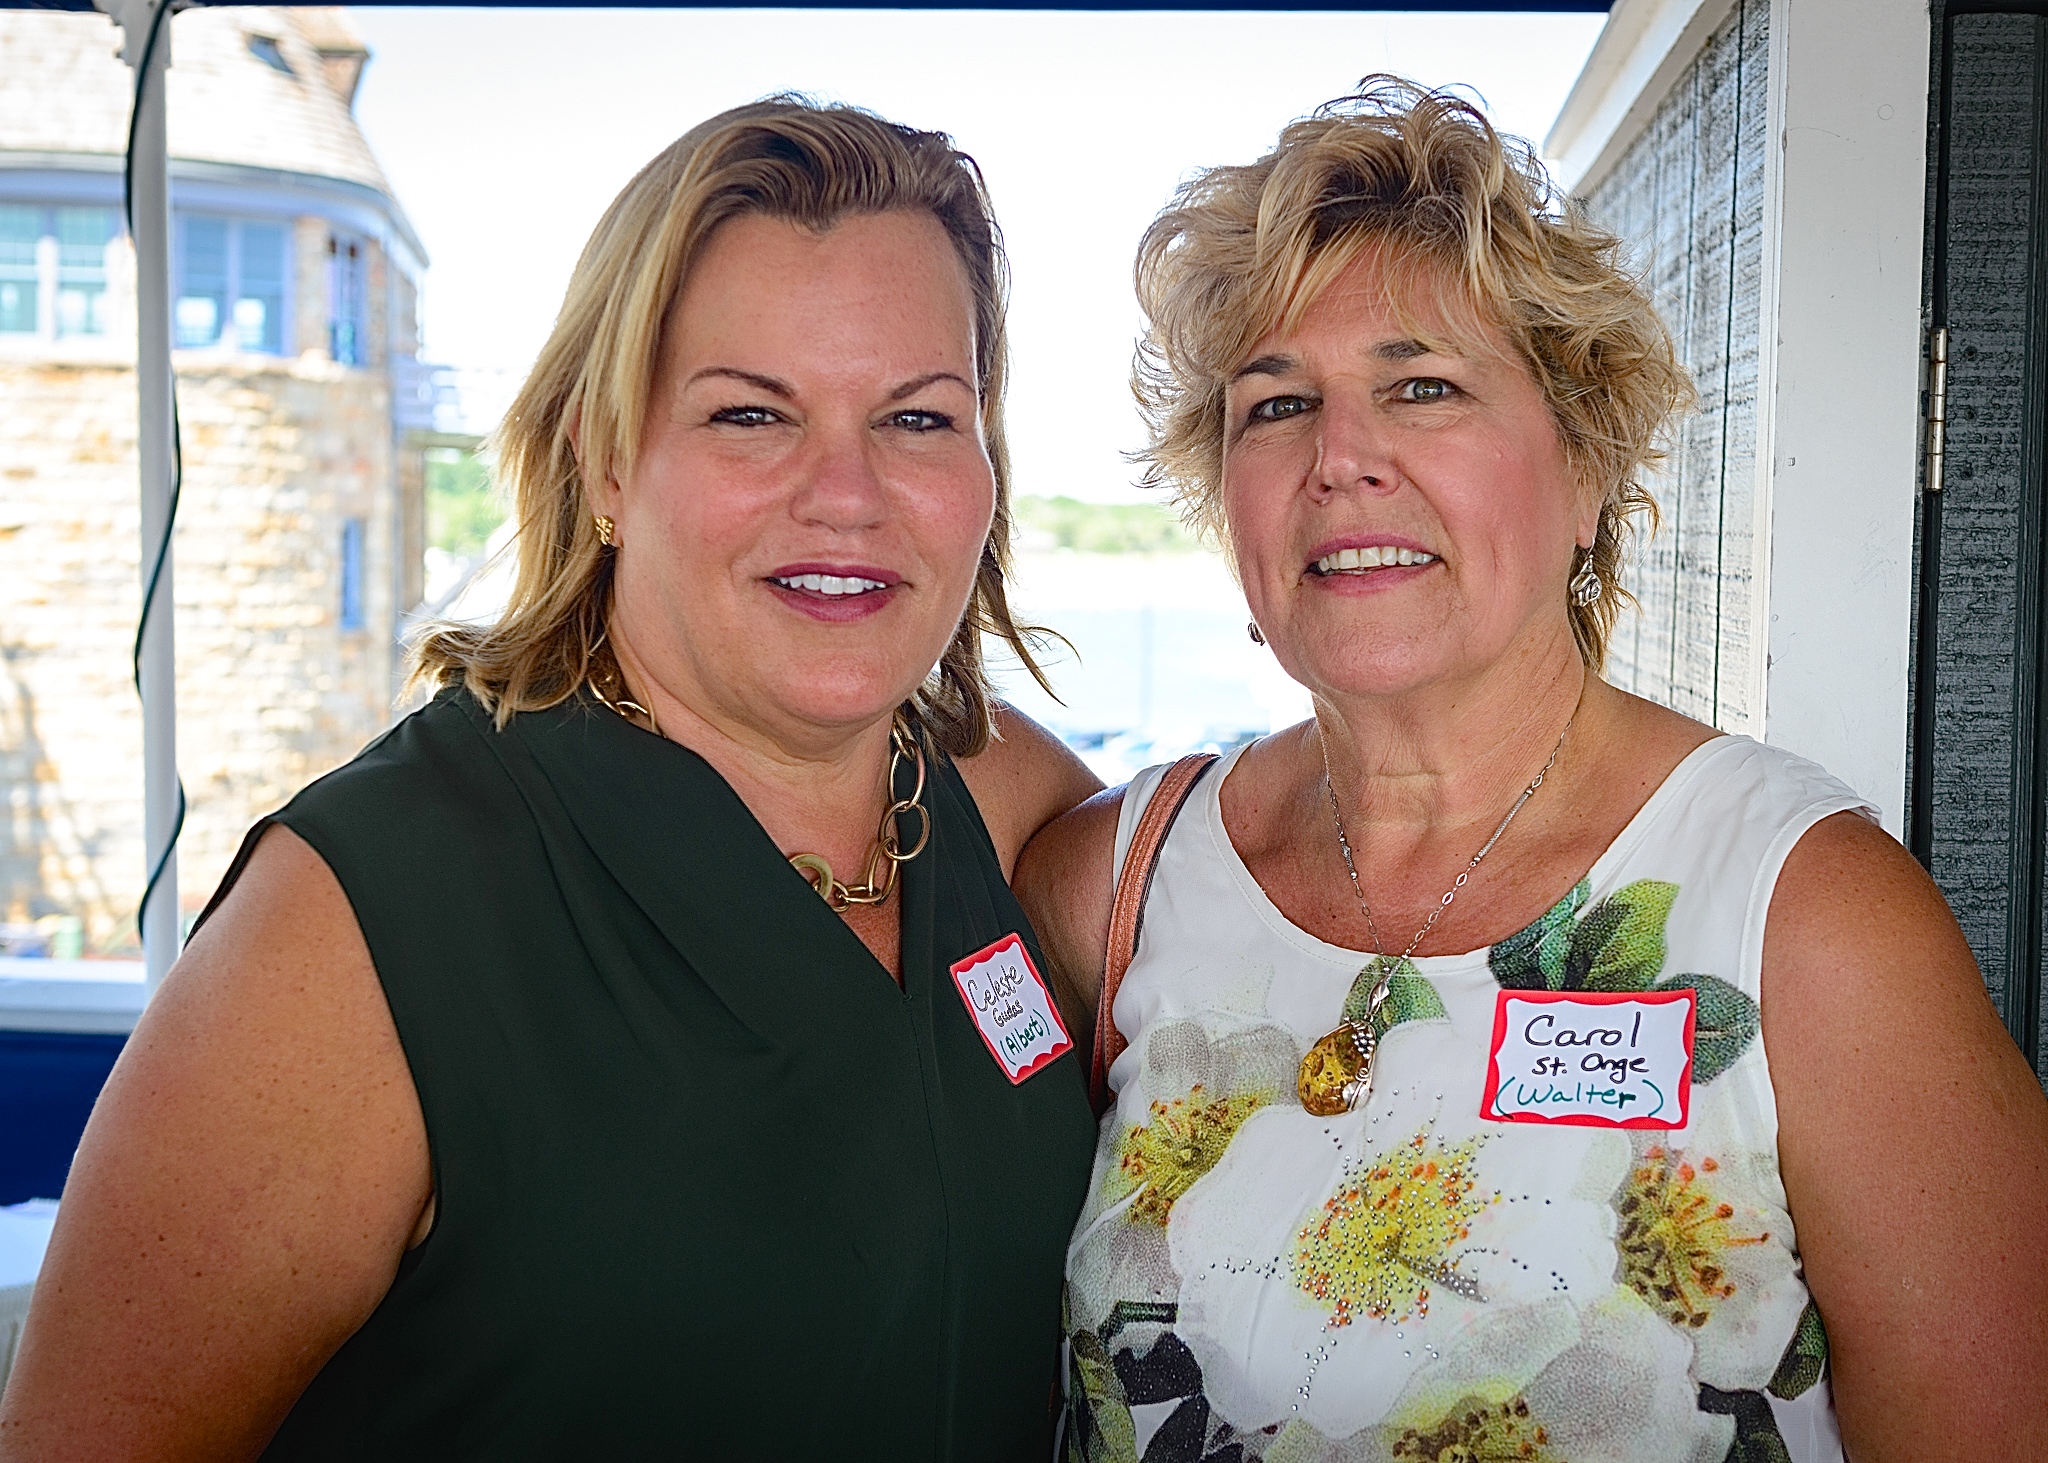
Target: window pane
{"points": [[196, 319], [82, 235], [202, 280], [264, 49], [259, 306], [345, 340], [20, 225]]}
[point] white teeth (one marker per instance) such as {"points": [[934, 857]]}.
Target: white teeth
{"points": [[831, 583], [1376, 556]]}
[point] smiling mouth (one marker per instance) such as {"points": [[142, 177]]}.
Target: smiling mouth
{"points": [[1360, 561], [832, 584]]}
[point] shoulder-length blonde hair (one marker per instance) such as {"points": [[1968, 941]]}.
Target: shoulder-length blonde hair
{"points": [[782, 158], [1422, 178]]}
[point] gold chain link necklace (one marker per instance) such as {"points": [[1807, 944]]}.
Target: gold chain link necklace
{"points": [[1336, 1073], [886, 855]]}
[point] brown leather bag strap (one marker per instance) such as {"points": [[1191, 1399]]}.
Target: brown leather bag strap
{"points": [[1127, 910]]}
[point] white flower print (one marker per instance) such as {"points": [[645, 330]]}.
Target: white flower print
{"points": [[1324, 1262], [1196, 1082], [1613, 1390], [1706, 1242]]}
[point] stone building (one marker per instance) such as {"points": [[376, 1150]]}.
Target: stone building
{"points": [[299, 537]]}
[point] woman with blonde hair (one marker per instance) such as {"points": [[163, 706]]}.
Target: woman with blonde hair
{"points": [[1505, 1067], [520, 1095]]}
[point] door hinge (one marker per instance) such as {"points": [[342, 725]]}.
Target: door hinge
{"points": [[1937, 406]]}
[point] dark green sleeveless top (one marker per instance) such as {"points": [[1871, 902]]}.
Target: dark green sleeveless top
{"points": [[709, 1184]]}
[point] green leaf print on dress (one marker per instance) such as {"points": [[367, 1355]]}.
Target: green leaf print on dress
{"points": [[1534, 958], [1758, 1438], [1725, 1022], [1806, 1357], [1618, 948], [1099, 1414], [1410, 996]]}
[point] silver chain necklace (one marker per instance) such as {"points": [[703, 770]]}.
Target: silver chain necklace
{"points": [[1336, 1074]]}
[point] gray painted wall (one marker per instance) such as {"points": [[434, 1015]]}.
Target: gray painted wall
{"points": [[1989, 604], [1688, 199]]}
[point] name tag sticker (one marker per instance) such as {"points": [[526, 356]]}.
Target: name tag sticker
{"points": [[1011, 1008], [1592, 1059]]}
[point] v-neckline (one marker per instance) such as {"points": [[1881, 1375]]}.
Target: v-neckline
{"points": [[614, 777]]}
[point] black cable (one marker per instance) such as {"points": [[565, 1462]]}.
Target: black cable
{"points": [[163, 546]]}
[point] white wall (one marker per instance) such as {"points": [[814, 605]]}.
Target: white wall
{"points": [[1843, 424]]}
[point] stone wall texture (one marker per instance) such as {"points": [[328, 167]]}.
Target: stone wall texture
{"points": [[272, 691]]}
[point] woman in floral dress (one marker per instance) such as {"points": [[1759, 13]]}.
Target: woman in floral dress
{"points": [[1516, 1069]]}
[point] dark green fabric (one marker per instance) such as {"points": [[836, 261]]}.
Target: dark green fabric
{"points": [[709, 1184]]}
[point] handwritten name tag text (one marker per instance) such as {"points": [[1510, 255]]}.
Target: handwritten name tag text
{"points": [[1592, 1059]]}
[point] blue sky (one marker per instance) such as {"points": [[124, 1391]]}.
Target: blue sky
{"points": [[506, 132]]}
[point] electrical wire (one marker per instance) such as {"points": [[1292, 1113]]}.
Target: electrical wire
{"points": [[161, 557]]}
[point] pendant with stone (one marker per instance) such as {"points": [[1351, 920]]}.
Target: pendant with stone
{"points": [[1336, 1074]]}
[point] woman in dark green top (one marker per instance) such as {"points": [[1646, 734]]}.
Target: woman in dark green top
{"points": [[520, 1096]]}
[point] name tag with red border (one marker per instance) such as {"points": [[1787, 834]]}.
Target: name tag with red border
{"points": [[1011, 1008], [1592, 1059]]}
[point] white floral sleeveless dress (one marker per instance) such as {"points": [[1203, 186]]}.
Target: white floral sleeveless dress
{"points": [[1413, 1280]]}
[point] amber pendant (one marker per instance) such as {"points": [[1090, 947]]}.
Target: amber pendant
{"points": [[1337, 1072]]}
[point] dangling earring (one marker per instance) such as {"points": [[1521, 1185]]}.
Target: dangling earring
{"points": [[1251, 628], [1586, 587], [604, 529]]}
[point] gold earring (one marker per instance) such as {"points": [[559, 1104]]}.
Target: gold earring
{"points": [[604, 530]]}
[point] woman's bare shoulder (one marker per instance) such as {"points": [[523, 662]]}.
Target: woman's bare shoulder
{"points": [[1913, 1143], [1656, 735], [1065, 882], [1024, 779], [250, 1178]]}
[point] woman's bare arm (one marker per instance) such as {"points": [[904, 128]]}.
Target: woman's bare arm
{"points": [[1914, 1145], [250, 1177], [1025, 779], [1065, 881]]}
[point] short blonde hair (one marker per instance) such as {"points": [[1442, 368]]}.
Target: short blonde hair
{"points": [[1422, 178], [783, 158]]}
